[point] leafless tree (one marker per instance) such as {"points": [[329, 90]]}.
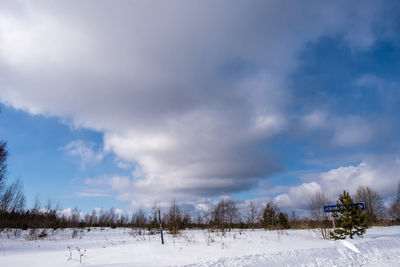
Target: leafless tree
{"points": [[93, 218], [123, 220], [3, 165], [252, 214], [174, 218], [199, 219], [224, 213], [75, 216], [36, 205], [317, 202], [49, 205], [375, 209], [13, 198], [394, 210], [140, 218], [294, 220]]}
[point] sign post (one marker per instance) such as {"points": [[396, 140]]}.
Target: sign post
{"points": [[159, 220]]}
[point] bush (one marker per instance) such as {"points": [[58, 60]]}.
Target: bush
{"points": [[43, 234]]}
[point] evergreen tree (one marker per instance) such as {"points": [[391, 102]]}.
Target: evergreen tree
{"points": [[283, 221], [350, 219], [269, 218]]}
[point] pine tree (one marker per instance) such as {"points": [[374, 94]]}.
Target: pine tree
{"points": [[269, 219], [350, 219], [283, 221]]}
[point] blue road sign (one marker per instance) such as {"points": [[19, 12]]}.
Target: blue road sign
{"points": [[333, 208]]}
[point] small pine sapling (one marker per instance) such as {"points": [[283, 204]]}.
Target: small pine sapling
{"points": [[350, 219]]}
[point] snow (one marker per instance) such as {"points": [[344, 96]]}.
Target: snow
{"points": [[125, 247]]}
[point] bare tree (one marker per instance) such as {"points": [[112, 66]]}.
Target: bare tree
{"points": [[186, 220], [75, 215], [252, 214], [375, 209], [224, 213], [174, 218], [232, 211], [3, 165], [93, 218], [49, 205], [317, 202], [199, 219], [294, 220], [13, 198], [154, 218], [36, 205], [394, 210], [140, 218]]}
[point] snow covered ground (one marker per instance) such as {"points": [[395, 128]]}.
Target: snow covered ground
{"points": [[124, 247]]}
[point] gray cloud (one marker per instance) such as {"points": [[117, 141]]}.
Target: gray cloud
{"points": [[190, 91]]}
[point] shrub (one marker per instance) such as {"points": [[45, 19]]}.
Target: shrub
{"points": [[43, 234]]}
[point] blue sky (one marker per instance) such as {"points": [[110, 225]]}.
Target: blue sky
{"points": [[37, 157], [259, 101]]}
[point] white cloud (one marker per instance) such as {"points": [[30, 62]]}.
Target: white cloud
{"points": [[382, 174], [84, 150], [92, 193], [123, 164], [68, 212], [33, 41], [298, 196]]}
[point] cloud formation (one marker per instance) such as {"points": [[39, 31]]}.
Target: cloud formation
{"points": [[379, 173], [190, 92]]}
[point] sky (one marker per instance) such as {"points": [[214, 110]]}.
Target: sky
{"points": [[123, 104]]}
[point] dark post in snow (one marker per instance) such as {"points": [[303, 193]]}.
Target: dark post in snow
{"points": [[159, 220]]}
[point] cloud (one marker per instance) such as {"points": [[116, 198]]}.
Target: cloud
{"points": [[69, 212], [298, 196], [379, 173], [83, 150], [341, 130], [315, 120], [387, 91], [190, 97], [353, 131], [93, 193], [123, 165]]}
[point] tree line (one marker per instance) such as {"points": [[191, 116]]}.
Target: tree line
{"points": [[221, 215]]}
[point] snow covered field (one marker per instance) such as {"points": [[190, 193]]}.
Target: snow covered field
{"points": [[124, 247]]}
